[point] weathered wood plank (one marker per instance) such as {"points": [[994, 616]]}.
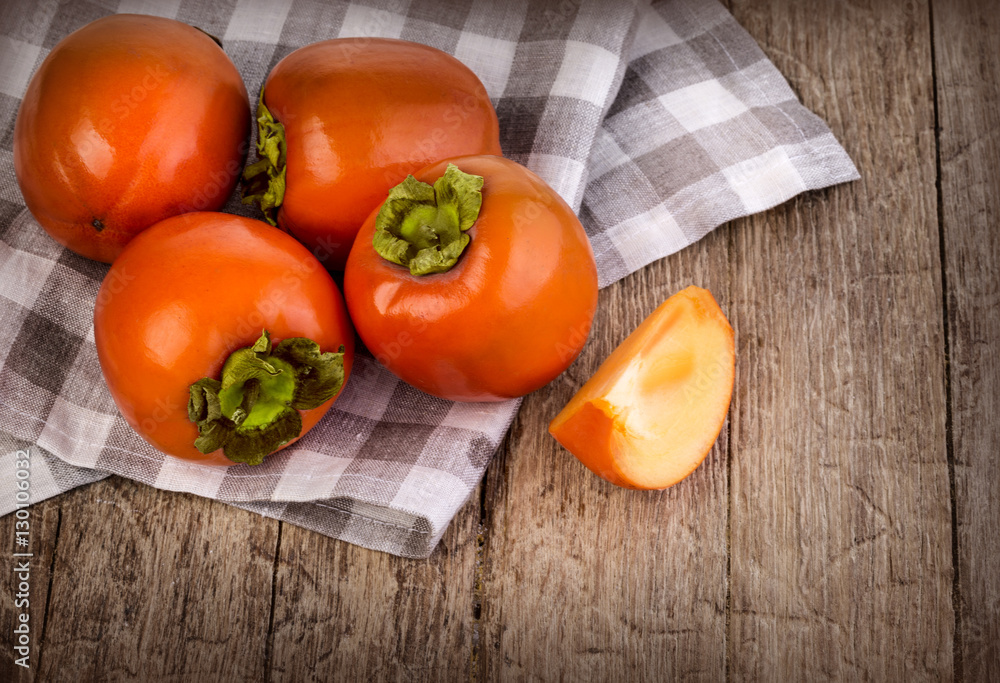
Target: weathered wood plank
{"points": [[586, 581], [348, 614], [151, 584], [841, 534], [967, 55], [44, 525]]}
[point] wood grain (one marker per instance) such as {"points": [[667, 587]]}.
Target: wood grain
{"points": [[586, 581], [967, 55], [832, 486], [150, 584], [44, 525], [841, 538], [345, 613]]}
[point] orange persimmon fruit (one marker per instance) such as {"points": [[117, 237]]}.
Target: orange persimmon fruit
{"points": [[651, 412], [128, 121], [473, 281], [341, 122]]}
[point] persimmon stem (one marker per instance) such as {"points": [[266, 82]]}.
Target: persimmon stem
{"points": [[425, 227], [253, 410]]}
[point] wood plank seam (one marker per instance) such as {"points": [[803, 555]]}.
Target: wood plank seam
{"points": [[269, 644], [48, 595], [477, 661], [731, 248], [477, 591], [956, 593], [478, 578]]}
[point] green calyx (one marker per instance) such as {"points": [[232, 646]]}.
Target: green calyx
{"points": [[264, 179], [424, 227], [254, 409]]}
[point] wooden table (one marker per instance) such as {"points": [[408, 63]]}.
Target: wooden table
{"points": [[845, 526]]}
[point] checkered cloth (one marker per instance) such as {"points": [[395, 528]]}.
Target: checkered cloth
{"points": [[657, 124]]}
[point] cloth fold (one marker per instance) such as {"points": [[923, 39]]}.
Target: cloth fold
{"points": [[656, 123]]}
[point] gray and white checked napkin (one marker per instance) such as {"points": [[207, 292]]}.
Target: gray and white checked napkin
{"points": [[656, 123]]}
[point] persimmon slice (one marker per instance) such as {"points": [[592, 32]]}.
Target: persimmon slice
{"points": [[651, 412]]}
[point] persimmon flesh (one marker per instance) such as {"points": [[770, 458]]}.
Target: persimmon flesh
{"points": [[651, 412]]}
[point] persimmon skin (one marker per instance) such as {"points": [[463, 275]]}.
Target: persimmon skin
{"points": [[129, 120], [650, 414], [360, 114], [508, 318], [189, 291]]}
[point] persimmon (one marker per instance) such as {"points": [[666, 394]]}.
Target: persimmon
{"points": [[650, 414], [221, 339], [129, 120], [342, 121], [474, 281]]}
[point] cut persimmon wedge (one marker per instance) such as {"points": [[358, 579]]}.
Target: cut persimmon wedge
{"points": [[651, 412]]}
